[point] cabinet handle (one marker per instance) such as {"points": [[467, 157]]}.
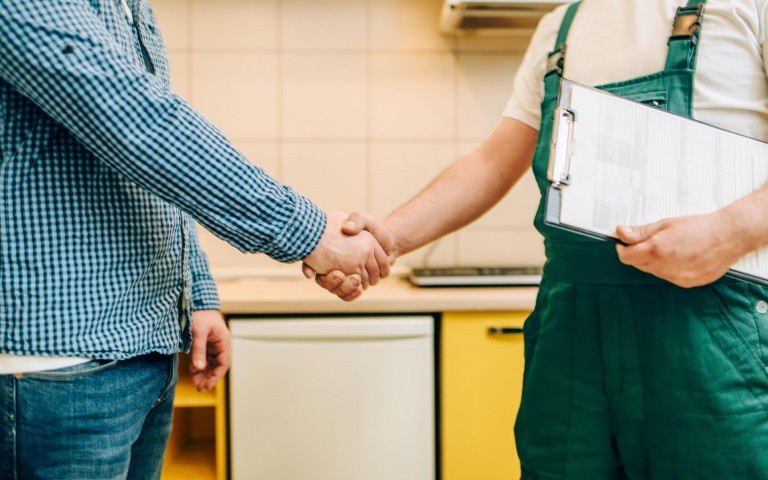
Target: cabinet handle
{"points": [[499, 331]]}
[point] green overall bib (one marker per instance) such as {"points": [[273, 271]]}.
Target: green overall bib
{"points": [[629, 376]]}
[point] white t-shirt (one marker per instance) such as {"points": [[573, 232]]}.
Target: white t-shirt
{"points": [[615, 40], [31, 363]]}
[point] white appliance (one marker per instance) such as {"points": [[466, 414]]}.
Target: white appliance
{"points": [[494, 16], [332, 398]]}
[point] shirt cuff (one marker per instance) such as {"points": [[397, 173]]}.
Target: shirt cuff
{"points": [[301, 233], [204, 294]]}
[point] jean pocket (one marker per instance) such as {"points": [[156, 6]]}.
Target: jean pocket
{"points": [[171, 379], [84, 369]]}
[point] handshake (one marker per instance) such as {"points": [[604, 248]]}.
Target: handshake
{"points": [[354, 252]]}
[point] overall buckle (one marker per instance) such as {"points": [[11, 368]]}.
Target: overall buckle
{"points": [[687, 23], [555, 61]]}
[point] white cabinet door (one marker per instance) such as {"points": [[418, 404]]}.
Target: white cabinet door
{"points": [[332, 399]]}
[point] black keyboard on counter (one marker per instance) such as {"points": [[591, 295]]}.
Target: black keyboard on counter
{"points": [[475, 276]]}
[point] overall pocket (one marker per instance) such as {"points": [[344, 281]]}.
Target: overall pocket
{"points": [[739, 330]]}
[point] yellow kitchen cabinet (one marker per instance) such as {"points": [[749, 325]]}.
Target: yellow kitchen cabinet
{"points": [[197, 449], [481, 377]]}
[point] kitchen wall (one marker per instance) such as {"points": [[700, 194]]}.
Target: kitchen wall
{"points": [[355, 103]]}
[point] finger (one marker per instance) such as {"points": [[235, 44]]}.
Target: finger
{"points": [[628, 255], [365, 276], [382, 260], [199, 348], [213, 376], [350, 284], [372, 269], [331, 281], [217, 366], [639, 233], [621, 250], [639, 254], [307, 271], [353, 295]]}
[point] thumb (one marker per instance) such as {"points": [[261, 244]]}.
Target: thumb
{"points": [[357, 222], [639, 233], [199, 347], [307, 271]]}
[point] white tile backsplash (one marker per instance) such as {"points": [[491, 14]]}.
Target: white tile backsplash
{"points": [[173, 19], [238, 92], [234, 24], [492, 247], [412, 96], [333, 175], [400, 170], [407, 25], [510, 42], [324, 25], [180, 74], [324, 96], [483, 80]]}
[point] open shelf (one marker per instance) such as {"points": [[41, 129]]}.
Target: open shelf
{"points": [[195, 461], [188, 396], [197, 447]]}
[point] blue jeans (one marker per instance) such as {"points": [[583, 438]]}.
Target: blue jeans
{"points": [[103, 419]]}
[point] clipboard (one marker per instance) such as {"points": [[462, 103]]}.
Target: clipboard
{"points": [[615, 161]]}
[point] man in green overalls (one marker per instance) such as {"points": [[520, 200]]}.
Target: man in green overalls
{"points": [[631, 372]]}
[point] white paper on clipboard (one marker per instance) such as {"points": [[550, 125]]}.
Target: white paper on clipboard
{"points": [[618, 162]]}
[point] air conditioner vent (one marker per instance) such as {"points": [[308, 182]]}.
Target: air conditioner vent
{"points": [[477, 16]]}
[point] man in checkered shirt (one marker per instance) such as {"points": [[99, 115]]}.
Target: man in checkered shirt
{"points": [[102, 281]]}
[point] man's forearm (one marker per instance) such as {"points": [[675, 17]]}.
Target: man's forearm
{"points": [[466, 189]]}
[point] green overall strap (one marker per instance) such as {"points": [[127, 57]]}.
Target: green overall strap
{"points": [[683, 42], [556, 58]]}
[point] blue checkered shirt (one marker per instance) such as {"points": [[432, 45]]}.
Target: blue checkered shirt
{"points": [[102, 170]]}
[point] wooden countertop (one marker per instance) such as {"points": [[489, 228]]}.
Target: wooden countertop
{"points": [[394, 294]]}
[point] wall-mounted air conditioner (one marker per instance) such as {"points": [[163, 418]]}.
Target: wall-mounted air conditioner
{"points": [[494, 16]]}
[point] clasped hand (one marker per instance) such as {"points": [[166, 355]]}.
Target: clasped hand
{"points": [[688, 251], [353, 253]]}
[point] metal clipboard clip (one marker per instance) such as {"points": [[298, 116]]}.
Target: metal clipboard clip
{"points": [[561, 148]]}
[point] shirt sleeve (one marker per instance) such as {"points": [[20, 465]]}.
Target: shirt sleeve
{"points": [[764, 33], [205, 296], [60, 56], [528, 88]]}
